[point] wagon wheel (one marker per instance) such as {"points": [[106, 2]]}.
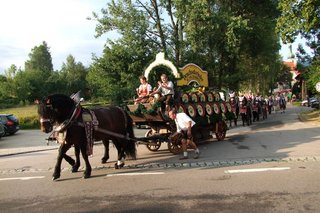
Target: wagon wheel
{"points": [[153, 145], [221, 129], [174, 148]]}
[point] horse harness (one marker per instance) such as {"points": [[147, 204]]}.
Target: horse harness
{"points": [[90, 124]]}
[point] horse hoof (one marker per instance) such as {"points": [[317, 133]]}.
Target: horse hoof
{"points": [[75, 169], [86, 176], [55, 177], [116, 166], [103, 161]]}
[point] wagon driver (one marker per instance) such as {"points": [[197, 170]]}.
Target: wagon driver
{"points": [[186, 126]]}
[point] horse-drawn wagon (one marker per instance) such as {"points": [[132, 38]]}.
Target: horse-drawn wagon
{"points": [[206, 108]]}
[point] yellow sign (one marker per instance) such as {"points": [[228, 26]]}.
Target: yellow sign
{"points": [[192, 73]]}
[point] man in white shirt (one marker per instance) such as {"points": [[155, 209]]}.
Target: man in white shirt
{"points": [[186, 126], [165, 88]]}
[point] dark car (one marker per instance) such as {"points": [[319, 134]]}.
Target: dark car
{"points": [[2, 132], [315, 104], [10, 123]]}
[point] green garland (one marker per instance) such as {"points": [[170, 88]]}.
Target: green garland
{"points": [[141, 110], [154, 109]]}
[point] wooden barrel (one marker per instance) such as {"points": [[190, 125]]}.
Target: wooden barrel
{"points": [[216, 96], [202, 97], [216, 108], [192, 110], [182, 108], [201, 110], [185, 98], [210, 97], [194, 97], [229, 107], [209, 109], [223, 107]]}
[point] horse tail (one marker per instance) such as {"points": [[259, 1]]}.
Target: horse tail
{"points": [[130, 148]]}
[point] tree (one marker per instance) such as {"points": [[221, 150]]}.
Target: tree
{"points": [[74, 75], [38, 70], [302, 18]]}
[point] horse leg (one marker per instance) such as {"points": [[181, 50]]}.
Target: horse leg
{"points": [[87, 172], [121, 156], [76, 165], [106, 151], [62, 153]]}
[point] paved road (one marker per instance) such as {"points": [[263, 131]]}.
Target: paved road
{"points": [[280, 137]]}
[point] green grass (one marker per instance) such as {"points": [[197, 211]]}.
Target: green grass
{"points": [[27, 115]]}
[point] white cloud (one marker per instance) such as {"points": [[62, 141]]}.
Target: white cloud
{"points": [[61, 23]]}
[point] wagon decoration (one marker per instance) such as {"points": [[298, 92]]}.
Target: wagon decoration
{"points": [[202, 106]]}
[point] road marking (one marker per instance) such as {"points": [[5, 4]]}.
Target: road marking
{"points": [[256, 170], [135, 174], [23, 178]]}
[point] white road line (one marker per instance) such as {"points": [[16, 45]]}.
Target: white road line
{"points": [[135, 174], [23, 178], [256, 170]]}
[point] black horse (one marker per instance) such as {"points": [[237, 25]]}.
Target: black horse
{"points": [[108, 123], [245, 110]]}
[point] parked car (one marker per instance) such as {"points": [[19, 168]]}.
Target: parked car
{"points": [[309, 104], [10, 123], [2, 132], [315, 104]]}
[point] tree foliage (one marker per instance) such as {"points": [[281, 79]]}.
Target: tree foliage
{"points": [[302, 18]]}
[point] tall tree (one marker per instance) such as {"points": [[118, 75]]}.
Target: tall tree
{"points": [[74, 75], [38, 69], [302, 18]]}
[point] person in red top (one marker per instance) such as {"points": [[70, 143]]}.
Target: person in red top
{"points": [[143, 91]]}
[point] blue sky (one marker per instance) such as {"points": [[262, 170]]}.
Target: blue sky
{"points": [[61, 23]]}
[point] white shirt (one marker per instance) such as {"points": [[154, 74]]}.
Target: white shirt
{"points": [[165, 91], [182, 121]]}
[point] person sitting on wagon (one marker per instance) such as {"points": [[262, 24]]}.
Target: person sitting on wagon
{"points": [[143, 91], [165, 88], [187, 127]]}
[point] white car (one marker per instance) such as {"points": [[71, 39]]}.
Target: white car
{"points": [[305, 102]]}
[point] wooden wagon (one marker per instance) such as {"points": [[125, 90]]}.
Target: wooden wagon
{"points": [[206, 108]]}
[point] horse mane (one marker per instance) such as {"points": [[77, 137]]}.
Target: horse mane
{"points": [[62, 106]]}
